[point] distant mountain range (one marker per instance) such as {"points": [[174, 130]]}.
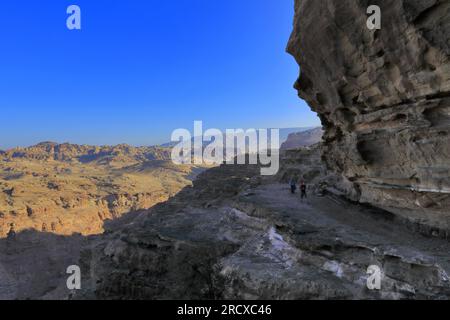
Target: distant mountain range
{"points": [[88, 154], [284, 134], [303, 139]]}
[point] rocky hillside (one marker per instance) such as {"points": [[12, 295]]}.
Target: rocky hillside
{"points": [[67, 152], [384, 100], [302, 139], [66, 188]]}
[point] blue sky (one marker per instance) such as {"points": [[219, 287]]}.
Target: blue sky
{"points": [[139, 69]]}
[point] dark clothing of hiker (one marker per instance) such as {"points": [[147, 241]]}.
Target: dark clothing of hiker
{"points": [[303, 190], [293, 185], [293, 188]]}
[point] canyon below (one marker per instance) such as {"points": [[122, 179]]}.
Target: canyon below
{"points": [[66, 188]]}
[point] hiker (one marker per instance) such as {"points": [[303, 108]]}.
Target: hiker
{"points": [[303, 190], [293, 184]]}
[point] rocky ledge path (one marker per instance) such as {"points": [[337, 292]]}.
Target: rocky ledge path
{"points": [[338, 241]]}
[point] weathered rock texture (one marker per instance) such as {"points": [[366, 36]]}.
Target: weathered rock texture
{"points": [[67, 188], [384, 100], [235, 234], [248, 237]]}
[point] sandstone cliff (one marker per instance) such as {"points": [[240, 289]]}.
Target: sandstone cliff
{"points": [[384, 100]]}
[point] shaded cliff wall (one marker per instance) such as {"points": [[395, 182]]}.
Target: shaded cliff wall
{"points": [[384, 99]]}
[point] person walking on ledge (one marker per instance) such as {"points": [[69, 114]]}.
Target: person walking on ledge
{"points": [[293, 184], [303, 190]]}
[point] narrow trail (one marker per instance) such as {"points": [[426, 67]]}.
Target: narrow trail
{"points": [[344, 239], [348, 221]]}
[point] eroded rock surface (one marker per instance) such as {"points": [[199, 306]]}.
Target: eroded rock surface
{"points": [[384, 100], [238, 235], [67, 188]]}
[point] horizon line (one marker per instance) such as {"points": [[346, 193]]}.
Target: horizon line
{"points": [[126, 143]]}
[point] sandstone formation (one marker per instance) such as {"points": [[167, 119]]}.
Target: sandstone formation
{"points": [[384, 100], [66, 152], [68, 188]]}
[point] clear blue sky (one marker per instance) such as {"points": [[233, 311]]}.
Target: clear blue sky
{"points": [[139, 69]]}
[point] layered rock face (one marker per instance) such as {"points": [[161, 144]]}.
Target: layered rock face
{"points": [[384, 100]]}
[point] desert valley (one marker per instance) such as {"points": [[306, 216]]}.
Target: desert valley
{"points": [[65, 188]]}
